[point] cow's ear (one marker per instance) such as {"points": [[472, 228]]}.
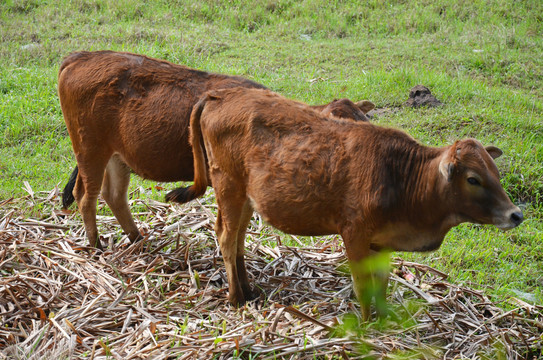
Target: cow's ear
{"points": [[494, 151], [448, 161], [365, 105], [446, 167]]}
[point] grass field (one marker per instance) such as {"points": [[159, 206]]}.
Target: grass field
{"points": [[482, 59]]}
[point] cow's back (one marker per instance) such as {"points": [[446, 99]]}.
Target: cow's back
{"points": [[293, 159], [136, 106]]}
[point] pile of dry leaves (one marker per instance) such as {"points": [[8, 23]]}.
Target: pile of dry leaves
{"points": [[165, 297]]}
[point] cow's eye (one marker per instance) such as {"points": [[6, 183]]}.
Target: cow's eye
{"points": [[473, 181]]}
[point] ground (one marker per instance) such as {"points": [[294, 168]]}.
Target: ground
{"points": [[481, 59]]}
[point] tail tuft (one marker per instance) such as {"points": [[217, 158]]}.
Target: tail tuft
{"points": [[182, 195], [198, 188], [68, 192]]}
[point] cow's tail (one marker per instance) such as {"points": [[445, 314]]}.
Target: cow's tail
{"points": [[68, 192], [183, 195]]}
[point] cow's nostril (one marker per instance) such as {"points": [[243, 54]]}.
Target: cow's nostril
{"points": [[517, 217]]}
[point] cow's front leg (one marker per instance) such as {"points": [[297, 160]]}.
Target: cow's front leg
{"points": [[369, 271], [379, 262]]}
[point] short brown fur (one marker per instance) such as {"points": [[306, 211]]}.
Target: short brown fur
{"points": [[126, 112], [308, 174]]}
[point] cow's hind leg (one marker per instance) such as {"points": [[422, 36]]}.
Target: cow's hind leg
{"points": [[114, 192], [244, 220], [227, 227], [86, 191]]}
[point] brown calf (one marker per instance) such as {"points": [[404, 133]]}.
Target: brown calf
{"points": [[308, 174], [129, 112]]}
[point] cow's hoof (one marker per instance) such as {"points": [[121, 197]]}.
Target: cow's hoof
{"points": [[253, 294], [236, 301], [135, 238]]}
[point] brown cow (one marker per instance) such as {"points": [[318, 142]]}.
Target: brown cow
{"points": [[308, 174], [129, 112]]}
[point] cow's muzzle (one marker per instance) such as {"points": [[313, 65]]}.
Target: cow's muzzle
{"points": [[510, 220], [517, 217]]}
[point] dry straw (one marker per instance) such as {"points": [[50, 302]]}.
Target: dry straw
{"points": [[165, 297]]}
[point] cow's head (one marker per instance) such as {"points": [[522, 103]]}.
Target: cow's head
{"points": [[346, 109], [472, 179]]}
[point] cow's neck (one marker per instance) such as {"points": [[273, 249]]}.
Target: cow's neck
{"points": [[424, 185], [419, 216]]}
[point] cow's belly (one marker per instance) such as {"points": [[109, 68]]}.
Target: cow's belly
{"points": [[171, 172], [298, 192], [152, 135], [160, 165], [291, 217], [157, 151]]}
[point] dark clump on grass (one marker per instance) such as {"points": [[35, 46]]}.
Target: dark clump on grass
{"points": [[420, 95], [165, 297]]}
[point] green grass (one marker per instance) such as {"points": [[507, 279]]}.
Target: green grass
{"points": [[482, 59]]}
